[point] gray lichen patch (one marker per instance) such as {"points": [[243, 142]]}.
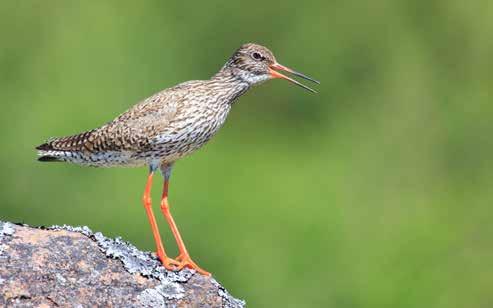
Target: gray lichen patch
{"points": [[151, 298], [161, 293], [6, 228], [229, 301]]}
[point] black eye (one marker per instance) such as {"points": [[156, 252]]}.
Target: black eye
{"points": [[257, 56]]}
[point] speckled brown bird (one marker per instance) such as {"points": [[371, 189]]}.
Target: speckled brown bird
{"points": [[167, 126]]}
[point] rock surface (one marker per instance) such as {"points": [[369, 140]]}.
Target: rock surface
{"points": [[63, 266]]}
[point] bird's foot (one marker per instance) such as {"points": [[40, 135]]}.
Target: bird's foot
{"points": [[168, 263], [186, 261]]}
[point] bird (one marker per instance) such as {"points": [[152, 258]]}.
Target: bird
{"points": [[167, 126]]}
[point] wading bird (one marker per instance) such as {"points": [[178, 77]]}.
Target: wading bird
{"points": [[167, 126]]}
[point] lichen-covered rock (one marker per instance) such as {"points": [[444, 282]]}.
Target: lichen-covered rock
{"points": [[72, 266]]}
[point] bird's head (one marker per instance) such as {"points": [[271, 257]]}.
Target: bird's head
{"points": [[255, 64]]}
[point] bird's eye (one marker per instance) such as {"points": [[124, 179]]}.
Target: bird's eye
{"points": [[257, 56]]}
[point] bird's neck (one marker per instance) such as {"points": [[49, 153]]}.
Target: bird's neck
{"points": [[230, 84]]}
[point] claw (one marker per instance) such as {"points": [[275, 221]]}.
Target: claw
{"points": [[169, 264], [186, 261]]}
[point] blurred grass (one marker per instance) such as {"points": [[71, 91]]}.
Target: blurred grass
{"points": [[374, 193]]}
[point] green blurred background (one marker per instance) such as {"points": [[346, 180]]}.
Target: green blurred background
{"points": [[376, 192]]}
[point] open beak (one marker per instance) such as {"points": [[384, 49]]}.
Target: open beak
{"points": [[276, 74]]}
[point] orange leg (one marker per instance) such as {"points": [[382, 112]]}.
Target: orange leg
{"points": [[168, 263], [183, 258]]}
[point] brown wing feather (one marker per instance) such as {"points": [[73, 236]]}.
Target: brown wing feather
{"points": [[131, 131]]}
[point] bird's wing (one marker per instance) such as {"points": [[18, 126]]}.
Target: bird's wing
{"points": [[131, 131], [134, 129]]}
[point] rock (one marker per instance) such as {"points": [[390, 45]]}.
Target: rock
{"points": [[62, 266]]}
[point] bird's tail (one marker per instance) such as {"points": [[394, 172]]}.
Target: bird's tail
{"points": [[63, 149], [48, 153]]}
